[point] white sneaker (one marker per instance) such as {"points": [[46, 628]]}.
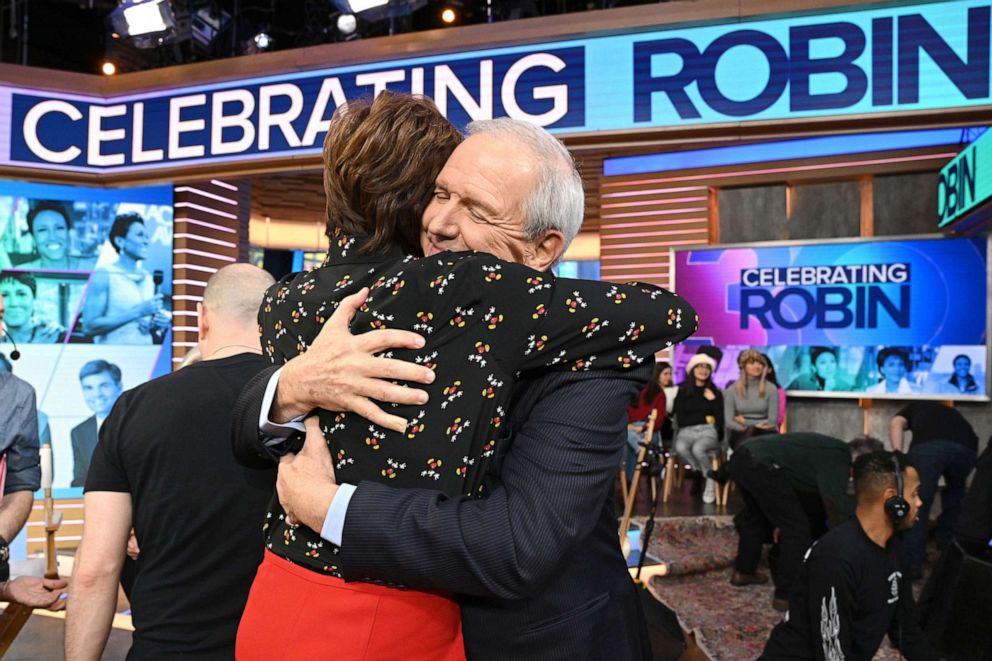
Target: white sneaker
{"points": [[709, 493]]}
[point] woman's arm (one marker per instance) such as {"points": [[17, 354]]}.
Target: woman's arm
{"points": [[730, 409]]}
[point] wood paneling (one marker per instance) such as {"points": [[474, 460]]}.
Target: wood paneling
{"points": [[209, 220]]}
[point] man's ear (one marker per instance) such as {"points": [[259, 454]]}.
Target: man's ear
{"points": [[202, 323], [546, 251]]}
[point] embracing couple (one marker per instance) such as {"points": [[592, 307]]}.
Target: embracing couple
{"points": [[472, 514]]}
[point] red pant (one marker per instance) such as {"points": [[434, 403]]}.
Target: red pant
{"points": [[294, 613]]}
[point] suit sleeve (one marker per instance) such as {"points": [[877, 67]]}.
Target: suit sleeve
{"points": [[23, 461], [832, 602], [556, 477], [247, 441], [79, 462]]}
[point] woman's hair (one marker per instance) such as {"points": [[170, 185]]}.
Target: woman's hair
{"points": [[770, 375], [970, 384], [47, 205], [887, 353], [381, 158], [652, 389], [745, 357], [122, 225]]}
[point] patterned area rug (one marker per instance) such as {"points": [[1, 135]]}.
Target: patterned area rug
{"points": [[731, 624]]}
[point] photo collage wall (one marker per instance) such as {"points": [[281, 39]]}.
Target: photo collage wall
{"points": [[86, 277]]}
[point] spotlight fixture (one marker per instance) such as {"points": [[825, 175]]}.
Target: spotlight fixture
{"points": [[147, 23], [263, 40], [449, 15], [347, 24], [376, 10], [108, 68]]}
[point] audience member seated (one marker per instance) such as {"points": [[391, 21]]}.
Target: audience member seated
{"points": [[772, 377], [750, 404], [699, 416], [651, 398]]}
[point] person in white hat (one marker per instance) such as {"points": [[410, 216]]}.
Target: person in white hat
{"points": [[699, 415]]}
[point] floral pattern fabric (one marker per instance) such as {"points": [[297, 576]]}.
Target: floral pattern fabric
{"points": [[484, 321]]}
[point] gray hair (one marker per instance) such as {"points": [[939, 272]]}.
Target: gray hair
{"points": [[235, 292], [558, 201]]}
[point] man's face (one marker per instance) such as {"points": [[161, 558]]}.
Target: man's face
{"points": [[477, 203], [19, 303], [100, 392], [51, 235], [911, 492]]}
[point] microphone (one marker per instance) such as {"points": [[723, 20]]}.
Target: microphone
{"points": [[158, 278], [15, 354]]}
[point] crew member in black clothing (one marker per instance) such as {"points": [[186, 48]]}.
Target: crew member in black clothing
{"points": [[164, 463], [944, 444], [851, 589], [791, 484]]}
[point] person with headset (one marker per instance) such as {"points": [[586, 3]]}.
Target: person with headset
{"points": [[852, 589]]}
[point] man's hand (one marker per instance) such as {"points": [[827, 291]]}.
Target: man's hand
{"points": [[339, 372], [36, 592], [305, 483]]}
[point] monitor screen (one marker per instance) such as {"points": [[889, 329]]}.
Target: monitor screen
{"points": [[86, 276], [869, 319]]}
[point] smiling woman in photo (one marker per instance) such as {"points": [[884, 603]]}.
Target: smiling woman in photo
{"points": [[50, 224]]}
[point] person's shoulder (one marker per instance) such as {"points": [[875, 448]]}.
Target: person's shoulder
{"points": [[18, 388], [837, 544]]}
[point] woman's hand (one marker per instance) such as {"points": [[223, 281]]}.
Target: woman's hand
{"points": [[741, 420], [149, 307]]}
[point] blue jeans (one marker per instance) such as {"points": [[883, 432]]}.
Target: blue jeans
{"points": [[932, 460]]}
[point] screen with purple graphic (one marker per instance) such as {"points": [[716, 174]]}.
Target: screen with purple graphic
{"points": [[86, 276], [880, 318]]}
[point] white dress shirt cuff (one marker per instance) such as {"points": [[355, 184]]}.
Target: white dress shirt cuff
{"points": [[333, 529], [276, 429]]}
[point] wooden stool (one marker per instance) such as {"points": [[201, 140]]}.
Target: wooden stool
{"points": [[631, 495]]}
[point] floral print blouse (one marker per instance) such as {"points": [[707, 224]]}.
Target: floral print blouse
{"points": [[484, 321]]}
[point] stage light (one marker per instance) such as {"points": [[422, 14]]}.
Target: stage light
{"points": [[108, 68], [448, 15], [263, 40], [357, 6], [148, 23], [347, 24]]}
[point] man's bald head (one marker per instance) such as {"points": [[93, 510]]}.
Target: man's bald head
{"points": [[234, 294]]}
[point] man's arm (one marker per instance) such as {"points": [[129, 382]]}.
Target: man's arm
{"points": [[555, 479], [96, 572], [897, 431], [23, 469], [831, 603]]}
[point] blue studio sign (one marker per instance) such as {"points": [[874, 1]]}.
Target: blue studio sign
{"points": [[901, 58]]}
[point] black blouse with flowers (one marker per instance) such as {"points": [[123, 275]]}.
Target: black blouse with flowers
{"points": [[484, 321]]}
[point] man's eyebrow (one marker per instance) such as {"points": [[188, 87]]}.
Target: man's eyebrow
{"points": [[470, 201]]}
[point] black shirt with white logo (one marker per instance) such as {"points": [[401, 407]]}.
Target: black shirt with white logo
{"points": [[850, 592]]}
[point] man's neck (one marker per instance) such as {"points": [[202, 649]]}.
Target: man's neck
{"points": [[225, 345], [876, 523]]}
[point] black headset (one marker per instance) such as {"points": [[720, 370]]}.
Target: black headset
{"points": [[896, 506]]}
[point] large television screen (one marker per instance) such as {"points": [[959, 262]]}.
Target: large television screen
{"points": [[86, 276], [882, 319]]}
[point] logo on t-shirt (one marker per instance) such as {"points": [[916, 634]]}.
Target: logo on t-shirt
{"points": [[894, 586]]}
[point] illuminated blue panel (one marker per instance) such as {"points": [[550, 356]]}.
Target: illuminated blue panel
{"points": [[781, 151]]}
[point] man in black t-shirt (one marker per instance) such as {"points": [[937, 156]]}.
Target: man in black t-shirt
{"points": [[944, 444], [851, 589], [164, 465]]}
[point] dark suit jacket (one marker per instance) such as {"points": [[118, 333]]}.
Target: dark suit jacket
{"points": [[84, 438], [537, 563]]}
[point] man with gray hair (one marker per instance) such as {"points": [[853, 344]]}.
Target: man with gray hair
{"points": [[536, 563], [164, 465]]}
